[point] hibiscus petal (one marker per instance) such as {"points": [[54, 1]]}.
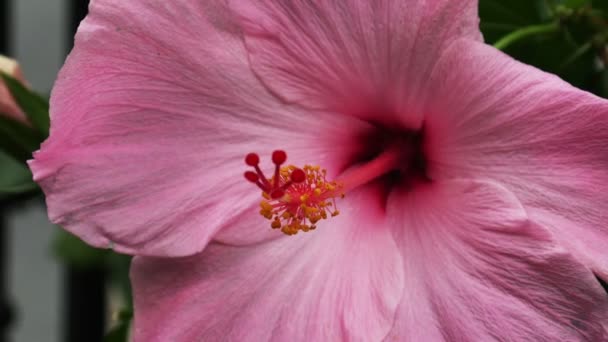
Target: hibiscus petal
{"points": [[353, 56], [477, 269], [546, 141], [151, 118], [341, 282]]}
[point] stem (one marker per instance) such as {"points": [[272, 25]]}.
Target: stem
{"points": [[386, 162], [525, 32]]}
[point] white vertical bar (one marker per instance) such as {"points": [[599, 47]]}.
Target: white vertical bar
{"points": [[39, 39], [38, 42]]}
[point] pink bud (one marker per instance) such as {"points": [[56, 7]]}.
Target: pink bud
{"points": [[8, 106]]}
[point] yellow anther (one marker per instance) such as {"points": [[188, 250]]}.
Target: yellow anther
{"points": [[304, 204], [311, 210]]}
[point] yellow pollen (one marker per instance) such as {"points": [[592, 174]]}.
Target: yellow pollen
{"points": [[303, 204]]}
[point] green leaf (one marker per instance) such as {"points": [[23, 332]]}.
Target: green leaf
{"points": [[600, 5], [35, 106], [571, 53], [18, 139], [559, 55], [73, 251], [15, 177], [519, 12], [499, 17], [119, 333], [575, 4]]}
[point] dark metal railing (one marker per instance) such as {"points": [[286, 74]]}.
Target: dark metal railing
{"points": [[5, 25], [6, 312], [85, 289]]}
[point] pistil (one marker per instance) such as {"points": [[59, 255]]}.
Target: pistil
{"points": [[295, 199], [362, 174]]}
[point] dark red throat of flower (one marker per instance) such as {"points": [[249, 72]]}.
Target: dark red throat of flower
{"points": [[295, 199]]}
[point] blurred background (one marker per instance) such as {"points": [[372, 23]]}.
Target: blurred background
{"points": [[54, 288], [39, 292]]}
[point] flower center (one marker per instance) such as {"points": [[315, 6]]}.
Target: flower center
{"points": [[296, 199], [404, 154]]}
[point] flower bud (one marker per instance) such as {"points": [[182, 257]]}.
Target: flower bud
{"points": [[8, 106]]}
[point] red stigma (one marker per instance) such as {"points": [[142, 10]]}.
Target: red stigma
{"points": [[276, 194], [274, 187], [279, 157], [252, 176], [252, 159], [298, 176]]}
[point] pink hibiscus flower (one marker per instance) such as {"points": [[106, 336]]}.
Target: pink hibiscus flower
{"points": [[8, 107], [475, 185]]}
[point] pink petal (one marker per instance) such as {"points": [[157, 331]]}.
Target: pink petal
{"points": [[8, 106], [367, 58], [152, 116], [341, 282], [477, 269], [543, 139]]}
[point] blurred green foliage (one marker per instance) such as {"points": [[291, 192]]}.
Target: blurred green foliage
{"points": [[120, 332], [575, 49], [17, 139], [35, 107], [15, 177]]}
